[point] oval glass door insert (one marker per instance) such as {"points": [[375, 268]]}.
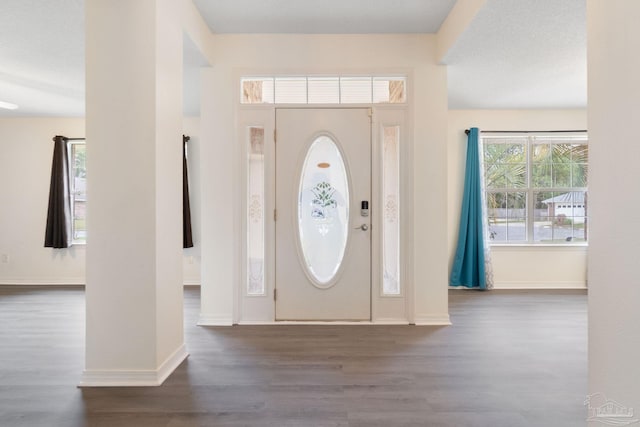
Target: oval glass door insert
{"points": [[323, 210]]}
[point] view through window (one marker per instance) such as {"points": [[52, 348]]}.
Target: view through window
{"points": [[536, 188], [78, 184]]}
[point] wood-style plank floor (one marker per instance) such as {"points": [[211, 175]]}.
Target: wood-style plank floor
{"points": [[512, 358]]}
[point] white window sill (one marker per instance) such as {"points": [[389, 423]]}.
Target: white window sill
{"points": [[539, 245]]}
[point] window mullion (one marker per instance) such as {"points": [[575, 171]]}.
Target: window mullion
{"points": [[530, 198]]}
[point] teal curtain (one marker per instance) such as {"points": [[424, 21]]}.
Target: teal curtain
{"points": [[469, 264]]}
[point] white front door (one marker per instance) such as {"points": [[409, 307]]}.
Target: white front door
{"points": [[323, 240]]}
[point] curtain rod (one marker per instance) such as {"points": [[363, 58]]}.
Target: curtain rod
{"points": [[528, 131], [186, 138], [67, 139]]}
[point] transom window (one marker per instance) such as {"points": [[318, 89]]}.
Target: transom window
{"points": [[323, 90], [536, 188]]}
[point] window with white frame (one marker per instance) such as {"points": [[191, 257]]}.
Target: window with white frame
{"points": [[255, 211], [323, 90], [536, 187], [78, 189], [391, 210]]}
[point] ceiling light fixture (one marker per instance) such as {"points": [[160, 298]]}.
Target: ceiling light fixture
{"points": [[8, 105]]}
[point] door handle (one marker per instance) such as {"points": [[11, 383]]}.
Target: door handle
{"points": [[363, 227]]}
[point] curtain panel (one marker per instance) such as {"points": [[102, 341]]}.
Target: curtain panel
{"points": [[187, 237], [58, 233], [472, 265]]}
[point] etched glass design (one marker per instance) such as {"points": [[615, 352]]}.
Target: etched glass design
{"points": [[257, 91], [323, 210], [255, 212], [391, 211]]}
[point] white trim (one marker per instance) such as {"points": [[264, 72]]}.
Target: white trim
{"points": [[40, 282], [134, 378], [524, 246], [65, 282], [264, 115], [214, 320], [257, 322], [390, 322], [323, 322], [274, 78], [172, 362], [327, 323], [432, 320], [532, 285]]}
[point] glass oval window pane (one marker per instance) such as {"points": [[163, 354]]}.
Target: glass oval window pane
{"points": [[323, 210]]}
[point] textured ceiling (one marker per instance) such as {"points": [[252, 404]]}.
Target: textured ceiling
{"points": [[324, 17], [521, 54], [514, 54]]}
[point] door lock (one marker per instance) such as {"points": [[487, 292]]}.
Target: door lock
{"points": [[364, 208]]}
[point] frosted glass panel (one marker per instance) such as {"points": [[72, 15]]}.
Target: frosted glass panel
{"points": [[323, 210], [391, 223], [255, 213], [324, 90], [257, 91], [291, 90], [355, 90], [386, 90]]}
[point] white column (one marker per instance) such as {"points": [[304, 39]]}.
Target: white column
{"points": [[614, 203], [221, 237], [430, 275], [134, 309]]}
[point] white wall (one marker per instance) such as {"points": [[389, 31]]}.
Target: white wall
{"points": [[22, 225], [614, 283], [515, 267], [26, 151], [331, 54]]}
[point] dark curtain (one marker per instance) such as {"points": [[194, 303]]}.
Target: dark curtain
{"points": [[58, 231], [187, 238]]}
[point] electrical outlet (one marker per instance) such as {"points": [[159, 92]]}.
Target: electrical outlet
{"points": [[5, 258], [191, 260]]}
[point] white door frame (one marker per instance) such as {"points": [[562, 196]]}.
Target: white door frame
{"points": [[384, 309]]}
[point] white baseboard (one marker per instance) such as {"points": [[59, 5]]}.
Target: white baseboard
{"points": [[390, 322], [540, 285], [432, 320], [172, 362], [134, 378], [214, 320], [319, 322], [60, 282], [257, 322], [322, 322], [69, 281]]}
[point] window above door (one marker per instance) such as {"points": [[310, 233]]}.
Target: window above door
{"points": [[323, 90]]}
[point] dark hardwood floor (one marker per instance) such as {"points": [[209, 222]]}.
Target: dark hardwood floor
{"points": [[512, 358]]}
